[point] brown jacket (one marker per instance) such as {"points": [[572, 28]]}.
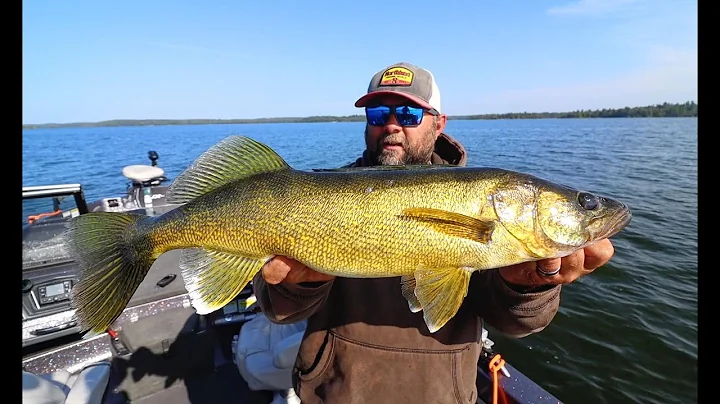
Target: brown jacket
{"points": [[363, 344]]}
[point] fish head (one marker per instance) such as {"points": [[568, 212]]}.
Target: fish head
{"points": [[553, 220]]}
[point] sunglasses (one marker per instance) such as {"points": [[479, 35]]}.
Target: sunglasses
{"points": [[404, 114]]}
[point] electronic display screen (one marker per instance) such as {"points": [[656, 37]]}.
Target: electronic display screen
{"points": [[53, 290]]}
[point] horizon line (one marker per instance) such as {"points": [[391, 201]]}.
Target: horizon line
{"points": [[250, 120]]}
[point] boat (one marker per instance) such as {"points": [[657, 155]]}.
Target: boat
{"points": [[160, 350]]}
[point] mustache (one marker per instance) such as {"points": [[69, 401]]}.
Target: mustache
{"points": [[392, 138]]}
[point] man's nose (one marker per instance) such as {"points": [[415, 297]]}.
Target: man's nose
{"points": [[392, 125]]}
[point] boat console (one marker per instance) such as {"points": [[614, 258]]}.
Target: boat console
{"points": [[48, 270]]}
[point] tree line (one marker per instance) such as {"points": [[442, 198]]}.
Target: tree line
{"points": [[665, 110]]}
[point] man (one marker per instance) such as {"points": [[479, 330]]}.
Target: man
{"points": [[362, 343]]}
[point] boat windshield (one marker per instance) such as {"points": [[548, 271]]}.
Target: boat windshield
{"points": [[43, 242], [39, 252]]}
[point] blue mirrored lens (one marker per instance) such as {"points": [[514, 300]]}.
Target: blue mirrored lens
{"points": [[405, 115], [408, 116], [377, 116]]}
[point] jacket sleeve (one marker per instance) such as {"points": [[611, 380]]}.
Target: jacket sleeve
{"points": [[508, 311], [288, 303]]}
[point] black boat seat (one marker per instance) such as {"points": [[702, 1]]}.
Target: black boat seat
{"points": [[142, 173], [86, 386]]}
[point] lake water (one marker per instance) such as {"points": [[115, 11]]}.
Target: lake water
{"points": [[626, 333]]}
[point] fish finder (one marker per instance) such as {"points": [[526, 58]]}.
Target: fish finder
{"points": [[54, 292]]}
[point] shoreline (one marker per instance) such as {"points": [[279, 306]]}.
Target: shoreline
{"points": [[666, 110]]}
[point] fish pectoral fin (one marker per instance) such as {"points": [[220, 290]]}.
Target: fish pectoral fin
{"points": [[454, 224], [214, 278], [407, 283], [440, 292]]}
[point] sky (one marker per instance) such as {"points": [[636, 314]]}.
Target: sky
{"points": [[89, 61]]}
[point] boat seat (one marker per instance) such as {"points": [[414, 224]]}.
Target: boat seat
{"points": [[266, 352], [86, 386], [142, 173]]}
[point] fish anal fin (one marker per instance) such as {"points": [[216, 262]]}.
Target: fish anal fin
{"points": [[214, 278], [454, 224], [440, 292], [407, 283]]}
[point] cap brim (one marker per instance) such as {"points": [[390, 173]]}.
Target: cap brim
{"points": [[365, 99]]}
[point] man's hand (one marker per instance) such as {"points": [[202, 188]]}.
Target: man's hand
{"points": [[284, 269], [575, 265]]}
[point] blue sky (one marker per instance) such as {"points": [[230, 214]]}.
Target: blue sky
{"points": [[86, 61]]}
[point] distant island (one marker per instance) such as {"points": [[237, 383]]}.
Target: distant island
{"points": [[665, 110]]}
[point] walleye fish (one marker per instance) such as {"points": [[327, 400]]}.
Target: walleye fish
{"points": [[242, 204]]}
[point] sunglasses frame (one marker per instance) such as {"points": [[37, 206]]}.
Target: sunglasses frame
{"points": [[393, 111]]}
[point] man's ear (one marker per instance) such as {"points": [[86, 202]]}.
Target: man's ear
{"points": [[440, 123]]}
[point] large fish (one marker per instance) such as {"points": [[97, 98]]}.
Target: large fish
{"points": [[243, 204]]}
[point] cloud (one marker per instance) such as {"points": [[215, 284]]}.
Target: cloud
{"points": [[667, 23], [589, 7], [669, 76], [658, 36]]}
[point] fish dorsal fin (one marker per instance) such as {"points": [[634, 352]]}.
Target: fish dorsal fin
{"points": [[454, 224], [233, 158]]}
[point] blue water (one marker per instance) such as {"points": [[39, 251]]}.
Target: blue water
{"points": [[626, 333]]}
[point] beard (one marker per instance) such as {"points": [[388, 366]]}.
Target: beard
{"points": [[420, 153]]}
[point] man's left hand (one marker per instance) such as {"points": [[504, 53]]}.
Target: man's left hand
{"points": [[572, 267]]}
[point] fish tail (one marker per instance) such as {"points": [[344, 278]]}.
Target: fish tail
{"points": [[114, 253]]}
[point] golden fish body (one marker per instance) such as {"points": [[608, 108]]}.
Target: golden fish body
{"points": [[352, 227], [242, 204]]}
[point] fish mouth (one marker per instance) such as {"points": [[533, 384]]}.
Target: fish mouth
{"points": [[617, 221]]}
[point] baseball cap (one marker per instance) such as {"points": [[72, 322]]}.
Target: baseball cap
{"points": [[406, 80]]}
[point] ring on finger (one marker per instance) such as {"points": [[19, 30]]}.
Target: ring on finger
{"points": [[547, 273]]}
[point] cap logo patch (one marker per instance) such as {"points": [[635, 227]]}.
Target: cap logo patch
{"points": [[397, 76]]}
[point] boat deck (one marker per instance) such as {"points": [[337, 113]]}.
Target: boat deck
{"points": [[165, 354]]}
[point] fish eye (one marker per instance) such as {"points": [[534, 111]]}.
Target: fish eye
{"points": [[588, 201]]}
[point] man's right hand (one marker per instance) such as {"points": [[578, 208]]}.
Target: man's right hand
{"points": [[283, 269]]}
